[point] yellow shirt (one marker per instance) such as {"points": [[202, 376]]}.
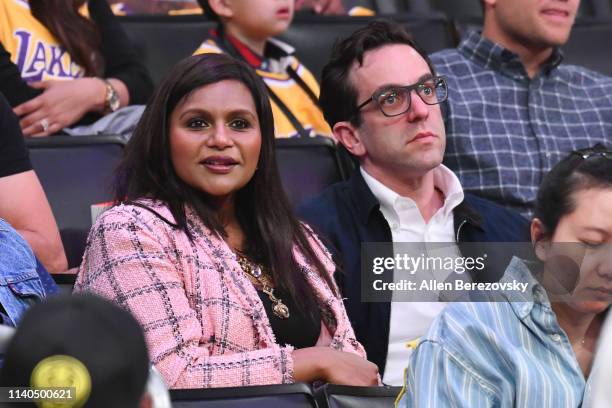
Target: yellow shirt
{"points": [[288, 91], [33, 48]]}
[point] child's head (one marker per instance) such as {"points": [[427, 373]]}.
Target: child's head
{"points": [[254, 19]]}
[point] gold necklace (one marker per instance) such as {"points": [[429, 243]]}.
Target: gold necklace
{"points": [[279, 308]]}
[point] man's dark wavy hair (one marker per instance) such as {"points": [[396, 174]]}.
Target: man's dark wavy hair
{"points": [[338, 97]]}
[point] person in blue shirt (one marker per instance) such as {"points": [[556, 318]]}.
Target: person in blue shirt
{"points": [[537, 352], [516, 108], [23, 280], [23, 203]]}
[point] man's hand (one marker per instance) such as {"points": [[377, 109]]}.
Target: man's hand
{"points": [[61, 104]]}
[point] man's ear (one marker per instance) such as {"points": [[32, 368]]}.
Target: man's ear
{"points": [[539, 239], [222, 8], [347, 134]]}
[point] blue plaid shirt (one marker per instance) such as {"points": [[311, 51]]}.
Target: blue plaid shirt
{"points": [[505, 130]]}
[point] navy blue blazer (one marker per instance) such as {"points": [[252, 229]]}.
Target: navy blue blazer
{"points": [[347, 214]]}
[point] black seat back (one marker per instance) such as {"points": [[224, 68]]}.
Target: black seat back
{"points": [[585, 44], [162, 41], [344, 396], [313, 37], [75, 173], [307, 166], [289, 395]]}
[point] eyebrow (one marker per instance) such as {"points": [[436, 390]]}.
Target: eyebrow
{"points": [[596, 229], [422, 78], [235, 112]]}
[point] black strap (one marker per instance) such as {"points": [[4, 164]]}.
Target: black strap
{"points": [[287, 112], [298, 80], [231, 50]]}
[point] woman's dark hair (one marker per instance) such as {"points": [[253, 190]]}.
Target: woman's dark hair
{"points": [[76, 33], [262, 208], [580, 170], [338, 97]]}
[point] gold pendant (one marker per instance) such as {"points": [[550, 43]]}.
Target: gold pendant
{"points": [[281, 310]]}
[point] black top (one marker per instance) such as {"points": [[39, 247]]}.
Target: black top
{"points": [[121, 62], [298, 330], [13, 153]]}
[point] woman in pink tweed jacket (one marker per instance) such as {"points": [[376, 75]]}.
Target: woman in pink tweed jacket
{"points": [[203, 234]]}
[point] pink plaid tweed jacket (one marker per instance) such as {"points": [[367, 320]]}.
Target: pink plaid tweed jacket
{"points": [[204, 323]]}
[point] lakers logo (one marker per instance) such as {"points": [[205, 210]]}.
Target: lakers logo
{"points": [[62, 372]]}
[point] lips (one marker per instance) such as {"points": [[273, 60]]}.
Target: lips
{"points": [[423, 136], [283, 12], [219, 164], [603, 290], [556, 13]]}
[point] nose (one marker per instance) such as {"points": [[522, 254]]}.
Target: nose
{"points": [[605, 262], [419, 110], [220, 138]]}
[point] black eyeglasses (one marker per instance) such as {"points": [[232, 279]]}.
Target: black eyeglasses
{"points": [[394, 101]]}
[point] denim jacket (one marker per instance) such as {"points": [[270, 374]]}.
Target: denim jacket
{"points": [[20, 284]]}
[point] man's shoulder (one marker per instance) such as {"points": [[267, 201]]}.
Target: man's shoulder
{"points": [[448, 58], [483, 205], [501, 223], [477, 325], [448, 54], [584, 75], [454, 65], [208, 46], [327, 203]]}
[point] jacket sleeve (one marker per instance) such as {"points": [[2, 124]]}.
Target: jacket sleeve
{"points": [[130, 259], [120, 57]]}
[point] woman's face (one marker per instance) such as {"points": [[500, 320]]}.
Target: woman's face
{"points": [[215, 138], [583, 239]]}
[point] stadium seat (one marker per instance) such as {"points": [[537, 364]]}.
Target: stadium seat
{"points": [[75, 173], [65, 282], [287, 395], [307, 166], [314, 36], [162, 41], [6, 334], [344, 396], [585, 45]]}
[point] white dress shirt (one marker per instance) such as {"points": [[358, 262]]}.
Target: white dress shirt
{"points": [[410, 320]]}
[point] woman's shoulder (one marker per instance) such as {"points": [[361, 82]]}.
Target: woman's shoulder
{"points": [[139, 212], [463, 324], [317, 245]]}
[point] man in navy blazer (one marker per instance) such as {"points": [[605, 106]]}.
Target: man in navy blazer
{"points": [[381, 97]]}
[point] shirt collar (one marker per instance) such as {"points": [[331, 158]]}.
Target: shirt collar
{"points": [[444, 179], [274, 50], [495, 57], [520, 270]]}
